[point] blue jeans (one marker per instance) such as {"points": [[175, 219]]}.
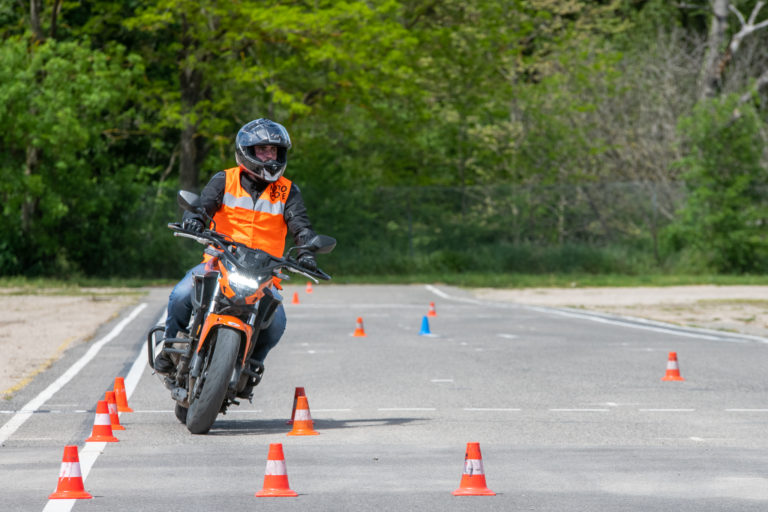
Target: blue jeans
{"points": [[180, 310]]}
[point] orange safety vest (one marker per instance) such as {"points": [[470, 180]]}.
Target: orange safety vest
{"points": [[259, 224]]}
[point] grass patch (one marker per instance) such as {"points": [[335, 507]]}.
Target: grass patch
{"points": [[513, 280], [77, 286], [86, 286]]}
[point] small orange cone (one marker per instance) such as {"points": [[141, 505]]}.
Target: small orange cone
{"points": [[295, 298], [114, 419], [432, 311], [276, 475], [296, 394], [673, 370], [70, 486], [309, 286], [473, 478], [120, 395], [102, 426], [302, 420], [359, 331]]}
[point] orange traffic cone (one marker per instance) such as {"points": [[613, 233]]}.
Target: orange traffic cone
{"points": [[673, 370], [473, 479], [309, 286], [276, 475], [70, 486], [120, 395], [114, 419], [296, 394], [359, 331], [302, 420], [432, 311], [102, 426], [295, 298]]}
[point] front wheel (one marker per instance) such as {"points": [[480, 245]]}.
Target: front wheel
{"points": [[216, 374]]}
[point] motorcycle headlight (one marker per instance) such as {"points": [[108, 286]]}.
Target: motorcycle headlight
{"points": [[243, 284]]}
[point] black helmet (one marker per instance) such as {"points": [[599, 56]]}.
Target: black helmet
{"points": [[262, 132]]}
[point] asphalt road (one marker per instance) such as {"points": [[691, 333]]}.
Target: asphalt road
{"points": [[569, 409]]}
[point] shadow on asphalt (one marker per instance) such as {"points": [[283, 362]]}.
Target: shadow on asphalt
{"points": [[251, 427]]}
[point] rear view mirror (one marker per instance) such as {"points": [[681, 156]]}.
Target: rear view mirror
{"points": [[322, 244], [188, 201]]}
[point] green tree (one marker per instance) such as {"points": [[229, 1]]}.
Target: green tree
{"points": [[63, 107], [725, 217]]}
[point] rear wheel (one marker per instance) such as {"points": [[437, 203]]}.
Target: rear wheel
{"points": [[216, 374]]}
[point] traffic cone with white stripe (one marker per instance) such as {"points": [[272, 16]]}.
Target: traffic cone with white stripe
{"points": [[473, 478], [359, 330], [673, 370], [296, 394], [309, 286], [432, 311], [121, 397], [70, 485], [276, 475], [102, 426], [302, 420], [114, 419]]}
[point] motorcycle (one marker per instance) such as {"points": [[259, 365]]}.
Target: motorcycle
{"points": [[232, 302]]}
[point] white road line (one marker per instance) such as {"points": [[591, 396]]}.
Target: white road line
{"points": [[578, 410], [490, 409], [91, 451], [746, 410], [508, 336], [441, 380], [666, 410], [33, 405], [406, 409], [635, 323]]}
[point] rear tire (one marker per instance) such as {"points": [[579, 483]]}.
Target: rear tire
{"points": [[203, 410]]}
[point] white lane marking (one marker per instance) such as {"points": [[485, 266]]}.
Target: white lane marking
{"points": [[746, 410], [666, 410], [578, 410], [441, 380], [635, 323], [137, 368], [91, 451], [407, 409], [331, 410], [508, 336], [30, 407], [491, 409]]}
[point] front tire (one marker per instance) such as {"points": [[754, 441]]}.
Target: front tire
{"points": [[204, 409]]}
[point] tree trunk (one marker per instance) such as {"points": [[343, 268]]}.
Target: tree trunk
{"points": [[29, 205], [714, 60], [35, 7], [190, 82]]}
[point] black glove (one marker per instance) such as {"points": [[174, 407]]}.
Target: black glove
{"points": [[194, 225], [308, 261]]}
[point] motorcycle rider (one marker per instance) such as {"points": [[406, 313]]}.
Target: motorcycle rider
{"points": [[255, 205]]}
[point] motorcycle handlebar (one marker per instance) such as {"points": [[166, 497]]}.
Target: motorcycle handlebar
{"points": [[212, 237]]}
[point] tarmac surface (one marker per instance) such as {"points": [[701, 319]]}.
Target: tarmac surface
{"points": [[568, 407]]}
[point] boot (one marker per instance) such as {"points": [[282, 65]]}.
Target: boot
{"points": [[247, 391], [163, 363]]}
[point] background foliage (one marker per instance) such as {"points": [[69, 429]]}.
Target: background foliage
{"points": [[494, 135]]}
